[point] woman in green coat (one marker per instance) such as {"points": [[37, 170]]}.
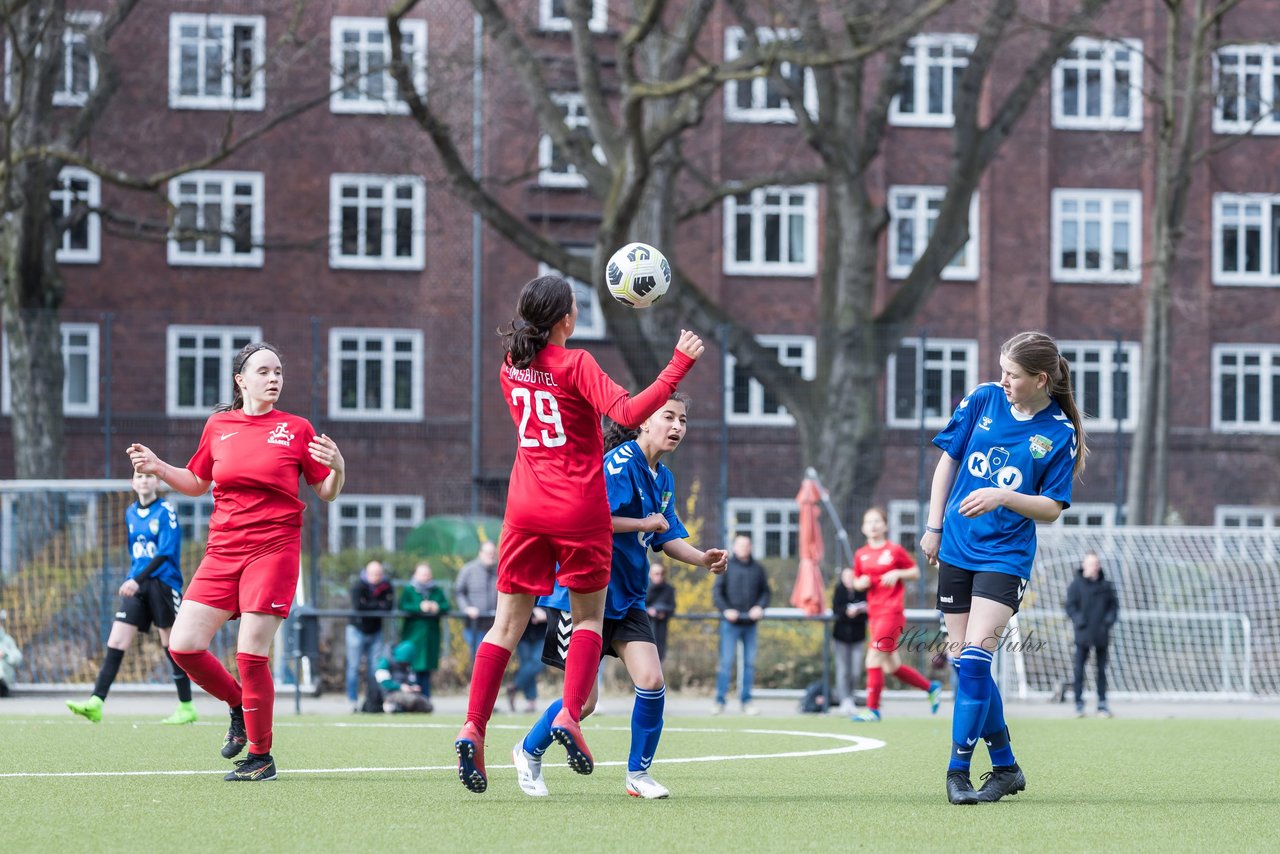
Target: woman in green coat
{"points": [[422, 596]]}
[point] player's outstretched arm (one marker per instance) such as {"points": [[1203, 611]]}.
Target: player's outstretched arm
{"points": [[144, 460], [715, 560]]}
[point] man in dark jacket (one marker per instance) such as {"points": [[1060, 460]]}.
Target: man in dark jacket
{"points": [[660, 602], [1093, 608], [371, 592], [740, 595]]}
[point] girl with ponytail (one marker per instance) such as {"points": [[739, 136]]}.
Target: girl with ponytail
{"points": [[1009, 456]]}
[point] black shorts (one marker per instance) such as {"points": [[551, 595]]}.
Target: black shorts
{"points": [[957, 588], [634, 626], [155, 603]]}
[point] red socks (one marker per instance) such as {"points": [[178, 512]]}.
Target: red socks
{"points": [[207, 671], [581, 664], [259, 700], [875, 684], [486, 682], [912, 677]]}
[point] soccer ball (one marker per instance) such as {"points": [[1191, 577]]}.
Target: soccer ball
{"points": [[638, 275]]}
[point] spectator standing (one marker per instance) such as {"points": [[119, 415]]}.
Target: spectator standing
{"points": [[1093, 608], [529, 652], [740, 595], [476, 593], [848, 637], [372, 594], [660, 602], [427, 602]]}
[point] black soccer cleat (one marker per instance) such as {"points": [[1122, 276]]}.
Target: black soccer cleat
{"points": [[254, 769], [959, 789], [236, 737], [1001, 780]]}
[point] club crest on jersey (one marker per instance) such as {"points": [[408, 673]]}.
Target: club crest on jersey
{"points": [[280, 435], [1040, 445], [154, 526], [666, 499]]}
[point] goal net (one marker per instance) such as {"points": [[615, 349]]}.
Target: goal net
{"points": [[1199, 614]]}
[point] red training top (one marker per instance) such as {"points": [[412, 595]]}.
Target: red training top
{"points": [[874, 563], [254, 462], [557, 480]]}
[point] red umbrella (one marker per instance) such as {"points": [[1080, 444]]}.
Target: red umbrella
{"points": [[808, 593]]}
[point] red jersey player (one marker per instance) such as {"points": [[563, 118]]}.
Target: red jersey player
{"points": [[557, 523], [252, 454], [879, 568]]}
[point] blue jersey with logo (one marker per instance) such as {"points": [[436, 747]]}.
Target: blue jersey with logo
{"points": [[635, 491], [995, 447], [153, 530]]}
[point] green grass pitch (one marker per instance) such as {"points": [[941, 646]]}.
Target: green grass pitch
{"points": [[352, 783]]}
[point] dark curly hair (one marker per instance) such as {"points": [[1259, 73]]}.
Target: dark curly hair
{"points": [[543, 302], [615, 434]]}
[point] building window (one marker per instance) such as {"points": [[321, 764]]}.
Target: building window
{"points": [[772, 231], [1086, 515], [75, 199], [934, 374], [554, 168], [746, 400], [905, 523], [219, 219], [216, 62], [1246, 388], [1246, 239], [80, 371], [761, 99], [373, 521], [1247, 518], [554, 15], [1097, 85], [193, 515], [1247, 80], [1104, 380], [590, 316], [913, 212], [200, 366], [929, 79], [1097, 236], [773, 524], [375, 374], [377, 222], [360, 59], [76, 71]]}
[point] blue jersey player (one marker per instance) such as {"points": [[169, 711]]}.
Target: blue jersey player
{"points": [[1009, 456], [642, 503], [149, 596]]}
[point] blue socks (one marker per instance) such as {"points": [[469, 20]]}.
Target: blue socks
{"points": [[973, 698], [994, 731], [646, 727], [539, 737]]}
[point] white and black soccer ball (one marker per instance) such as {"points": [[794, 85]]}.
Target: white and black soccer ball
{"points": [[637, 275]]}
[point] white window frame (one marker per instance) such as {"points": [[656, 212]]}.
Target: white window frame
{"points": [[1268, 121], [591, 326], [389, 205], [575, 116], [91, 351], [389, 338], [758, 527], [757, 417], [387, 534], [256, 100], [1108, 67], [226, 256], [199, 508], [65, 200], [922, 220], [77, 28], [918, 59], [906, 522], [1266, 372], [1107, 199], [760, 209], [1268, 224], [551, 22], [226, 357], [1104, 419], [1238, 517], [939, 420], [760, 112], [1087, 514], [390, 103]]}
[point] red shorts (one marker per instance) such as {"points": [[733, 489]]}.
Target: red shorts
{"points": [[527, 562], [884, 630], [253, 573]]}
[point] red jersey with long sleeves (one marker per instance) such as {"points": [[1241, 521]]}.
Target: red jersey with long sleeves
{"points": [[254, 462], [557, 482], [874, 563]]}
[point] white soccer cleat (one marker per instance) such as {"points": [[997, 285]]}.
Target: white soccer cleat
{"points": [[529, 772], [641, 785]]}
